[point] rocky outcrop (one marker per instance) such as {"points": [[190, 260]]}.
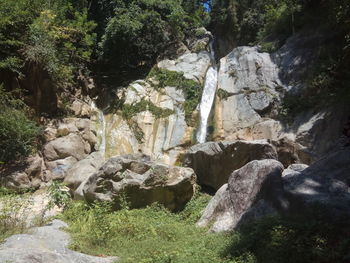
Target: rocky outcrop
{"points": [[68, 142], [248, 88], [253, 191], [158, 133], [140, 182], [252, 86], [260, 188], [45, 244], [213, 162], [326, 182], [28, 210]]}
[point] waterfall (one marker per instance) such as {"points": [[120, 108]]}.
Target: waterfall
{"points": [[102, 131], [211, 80]]}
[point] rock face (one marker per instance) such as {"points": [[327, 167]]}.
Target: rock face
{"points": [[40, 247], [326, 182], [28, 210], [213, 162], [251, 88], [248, 85], [141, 182], [253, 191], [158, 136], [161, 136]]}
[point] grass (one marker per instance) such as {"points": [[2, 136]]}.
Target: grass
{"points": [[152, 234], [155, 235], [12, 206]]}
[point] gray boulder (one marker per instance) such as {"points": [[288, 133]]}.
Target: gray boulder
{"points": [[47, 244], [83, 169], [213, 162], [60, 148], [141, 182], [253, 191], [326, 182]]}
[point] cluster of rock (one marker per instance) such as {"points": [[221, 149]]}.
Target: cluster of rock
{"points": [[67, 142], [263, 187]]}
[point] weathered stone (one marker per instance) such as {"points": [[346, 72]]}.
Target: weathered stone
{"points": [[193, 65], [141, 182], [294, 169], [213, 162], [248, 81], [253, 191], [83, 169], [325, 182], [28, 175], [60, 167], [71, 145], [45, 244]]}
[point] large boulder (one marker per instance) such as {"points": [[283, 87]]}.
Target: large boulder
{"points": [[140, 182], [326, 183], [45, 244], [83, 169], [213, 162], [63, 147], [253, 191]]}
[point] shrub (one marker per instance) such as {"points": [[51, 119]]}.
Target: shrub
{"points": [[18, 134], [191, 89]]}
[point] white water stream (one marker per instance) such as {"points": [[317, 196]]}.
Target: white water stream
{"points": [[211, 81]]}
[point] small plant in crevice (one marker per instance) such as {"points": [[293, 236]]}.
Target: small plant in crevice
{"points": [[223, 94]]}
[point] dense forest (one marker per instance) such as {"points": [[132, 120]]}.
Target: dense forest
{"points": [[55, 54]]}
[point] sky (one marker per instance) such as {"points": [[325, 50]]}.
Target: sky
{"points": [[207, 6]]}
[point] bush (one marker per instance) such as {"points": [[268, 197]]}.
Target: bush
{"points": [[138, 31], [18, 134], [192, 89]]}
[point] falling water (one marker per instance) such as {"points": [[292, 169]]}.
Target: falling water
{"points": [[101, 132], [208, 96]]}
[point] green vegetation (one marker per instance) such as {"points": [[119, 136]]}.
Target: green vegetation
{"points": [[55, 35], [59, 195], [18, 134], [192, 89], [223, 94], [130, 110], [154, 234], [138, 31]]}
